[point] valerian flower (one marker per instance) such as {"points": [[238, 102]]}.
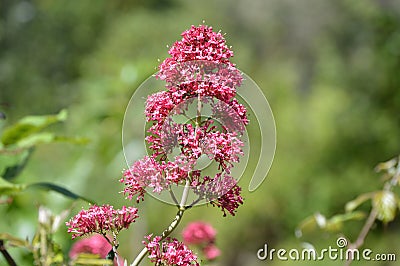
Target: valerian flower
{"points": [[200, 74], [102, 220], [95, 244], [202, 235], [211, 252], [169, 252], [199, 233], [221, 191]]}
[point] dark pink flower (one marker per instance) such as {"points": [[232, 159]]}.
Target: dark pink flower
{"points": [[200, 43], [211, 252], [197, 74], [169, 252], [199, 233], [222, 191], [101, 220], [95, 244], [229, 201], [158, 106]]}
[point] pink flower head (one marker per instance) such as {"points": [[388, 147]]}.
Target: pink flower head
{"points": [[224, 148], [221, 191], [169, 252], [199, 78], [150, 173], [101, 219], [200, 43], [199, 233], [144, 173], [211, 252], [95, 244]]}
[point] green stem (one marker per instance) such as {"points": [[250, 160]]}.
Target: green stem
{"points": [[171, 227]]}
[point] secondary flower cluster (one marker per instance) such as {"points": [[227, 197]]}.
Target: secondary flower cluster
{"points": [[198, 75], [169, 252], [202, 235], [95, 244], [102, 220]]}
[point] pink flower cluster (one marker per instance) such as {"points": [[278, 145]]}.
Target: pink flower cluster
{"points": [[169, 252], [197, 73], [199, 233], [149, 173], [222, 191], [203, 235], [101, 220]]}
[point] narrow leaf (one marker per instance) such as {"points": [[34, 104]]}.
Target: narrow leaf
{"points": [[30, 125], [352, 205], [60, 190], [15, 241], [91, 259], [7, 188], [310, 224], [11, 165], [335, 223]]}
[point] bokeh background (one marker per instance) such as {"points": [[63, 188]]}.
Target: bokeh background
{"points": [[330, 70]]}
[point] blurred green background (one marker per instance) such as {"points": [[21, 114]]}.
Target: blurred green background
{"points": [[330, 70]]}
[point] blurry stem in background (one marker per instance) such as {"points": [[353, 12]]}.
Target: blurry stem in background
{"points": [[369, 223], [363, 234], [6, 255]]}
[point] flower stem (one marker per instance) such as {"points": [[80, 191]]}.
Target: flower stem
{"points": [[171, 227], [164, 234], [184, 195]]}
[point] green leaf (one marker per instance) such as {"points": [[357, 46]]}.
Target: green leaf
{"points": [[352, 205], [310, 224], [7, 188], [30, 125], [12, 163], [385, 203], [335, 223], [91, 259], [15, 241], [386, 165], [60, 190], [47, 137]]}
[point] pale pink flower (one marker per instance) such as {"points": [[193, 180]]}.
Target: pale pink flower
{"points": [[95, 244], [199, 233], [211, 252], [144, 173], [157, 176], [225, 148], [101, 220]]}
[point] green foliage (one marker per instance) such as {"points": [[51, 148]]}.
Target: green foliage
{"points": [[18, 142], [90, 260], [384, 207], [7, 188], [59, 189]]}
